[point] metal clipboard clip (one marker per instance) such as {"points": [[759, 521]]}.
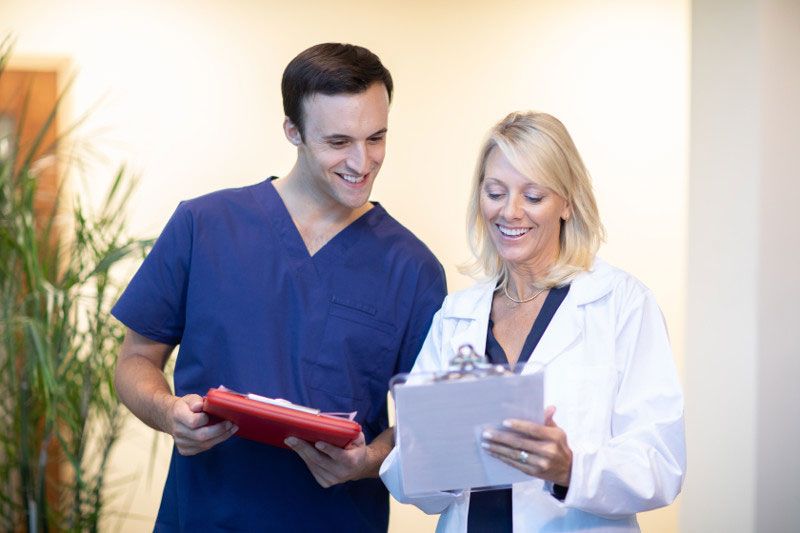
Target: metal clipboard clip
{"points": [[466, 364]]}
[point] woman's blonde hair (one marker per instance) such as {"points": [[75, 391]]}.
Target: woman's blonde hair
{"points": [[539, 147]]}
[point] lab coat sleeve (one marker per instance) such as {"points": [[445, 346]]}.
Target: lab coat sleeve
{"points": [[390, 472], [643, 464]]}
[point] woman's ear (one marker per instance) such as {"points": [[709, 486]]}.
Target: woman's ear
{"points": [[292, 132], [566, 212]]}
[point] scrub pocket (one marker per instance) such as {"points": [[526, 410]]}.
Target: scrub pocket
{"points": [[357, 356]]}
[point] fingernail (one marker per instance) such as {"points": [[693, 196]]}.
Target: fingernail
{"points": [[487, 434], [507, 423], [485, 445], [290, 441], [235, 429], [319, 446], [228, 426]]}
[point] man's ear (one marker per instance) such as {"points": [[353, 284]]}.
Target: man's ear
{"points": [[292, 132]]}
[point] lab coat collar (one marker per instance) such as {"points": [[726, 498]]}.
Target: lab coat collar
{"points": [[472, 307]]}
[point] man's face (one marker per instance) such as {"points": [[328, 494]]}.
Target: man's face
{"points": [[344, 146]]}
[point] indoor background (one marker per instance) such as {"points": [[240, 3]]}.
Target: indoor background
{"points": [[685, 113]]}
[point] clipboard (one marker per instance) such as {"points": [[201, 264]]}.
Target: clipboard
{"points": [[440, 417], [271, 421]]}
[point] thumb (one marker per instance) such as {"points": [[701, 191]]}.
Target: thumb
{"points": [[194, 402], [549, 412], [360, 440]]}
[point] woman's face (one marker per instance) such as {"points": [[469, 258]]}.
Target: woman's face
{"points": [[523, 218]]}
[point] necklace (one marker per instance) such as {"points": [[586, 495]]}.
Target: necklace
{"points": [[524, 300]]}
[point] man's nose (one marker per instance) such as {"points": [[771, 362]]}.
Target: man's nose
{"points": [[358, 159]]}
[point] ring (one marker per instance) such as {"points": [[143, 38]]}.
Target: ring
{"points": [[523, 457]]}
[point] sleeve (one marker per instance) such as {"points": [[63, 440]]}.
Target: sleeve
{"points": [[430, 292], [642, 466], [154, 303], [391, 470]]}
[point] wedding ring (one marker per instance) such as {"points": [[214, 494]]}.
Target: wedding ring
{"points": [[523, 457]]}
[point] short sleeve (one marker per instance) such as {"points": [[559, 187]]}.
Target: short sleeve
{"points": [[430, 293], [154, 303]]}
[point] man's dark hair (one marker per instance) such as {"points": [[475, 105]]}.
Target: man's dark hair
{"points": [[329, 68]]}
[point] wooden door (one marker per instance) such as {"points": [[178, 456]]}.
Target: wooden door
{"points": [[27, 98]]}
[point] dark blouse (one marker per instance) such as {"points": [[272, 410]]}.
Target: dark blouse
{"points": [[490, 510]]}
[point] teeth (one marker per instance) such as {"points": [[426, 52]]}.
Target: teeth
{"points": [[512, 232], [352, 179]]}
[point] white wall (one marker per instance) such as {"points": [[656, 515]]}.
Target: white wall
{"points": [[191, 100], [743, 343]]}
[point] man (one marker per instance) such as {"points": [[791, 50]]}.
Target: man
{"points": [[297, 288]]}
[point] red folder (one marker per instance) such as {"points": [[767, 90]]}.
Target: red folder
{"points": [[271, 424]]}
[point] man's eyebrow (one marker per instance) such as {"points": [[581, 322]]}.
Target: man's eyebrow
{"points": [[337, 137], [343, 137]]}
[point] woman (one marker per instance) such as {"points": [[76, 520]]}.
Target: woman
{"points": [[612, 443]]}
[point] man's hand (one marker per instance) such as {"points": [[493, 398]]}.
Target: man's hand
{"points": [[331, 465], [188, 425], [142, 387]]}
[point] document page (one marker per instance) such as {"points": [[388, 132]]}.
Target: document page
{"points": [[439, 426]]}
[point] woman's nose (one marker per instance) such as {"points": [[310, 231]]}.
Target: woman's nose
{"points": [[512, 210]]}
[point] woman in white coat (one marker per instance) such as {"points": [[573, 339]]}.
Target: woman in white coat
{"points": [[612, 443]]}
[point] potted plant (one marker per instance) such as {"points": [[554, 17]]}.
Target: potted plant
{"points": [[59, 413]]}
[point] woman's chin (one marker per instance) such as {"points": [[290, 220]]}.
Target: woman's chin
{"points": [[515, 260]]}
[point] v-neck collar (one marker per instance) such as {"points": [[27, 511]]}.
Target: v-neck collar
{"points": [[551, 304], [284, 226]]}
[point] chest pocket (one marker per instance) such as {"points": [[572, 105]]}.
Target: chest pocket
{"points": [[357, 355]]}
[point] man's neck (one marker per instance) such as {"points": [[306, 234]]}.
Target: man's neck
{"points": [[318, 217]]}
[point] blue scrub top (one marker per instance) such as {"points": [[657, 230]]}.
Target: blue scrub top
{"points": [[232, 282]]}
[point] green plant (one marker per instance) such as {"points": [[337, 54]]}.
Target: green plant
{"points": [[59, 414]]}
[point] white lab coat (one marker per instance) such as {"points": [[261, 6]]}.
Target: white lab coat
{"points": [[609, 372]]}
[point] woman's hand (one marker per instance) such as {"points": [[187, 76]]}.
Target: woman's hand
{"points": [[538, 450]]}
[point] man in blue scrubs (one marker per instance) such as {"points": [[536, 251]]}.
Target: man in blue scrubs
{"points": [[297, 288]]}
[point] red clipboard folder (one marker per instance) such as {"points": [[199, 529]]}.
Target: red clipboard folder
{"points": [[272, 424]]}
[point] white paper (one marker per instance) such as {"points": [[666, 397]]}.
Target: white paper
{"points": [[439, 426]]}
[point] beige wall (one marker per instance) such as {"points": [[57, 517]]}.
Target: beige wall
{"points": [[189, 96], [742, 364]]}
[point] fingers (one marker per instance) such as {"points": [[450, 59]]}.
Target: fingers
{"points": [[538, 450], [308, 453], [532, 429], [528, 429], [331, 465], [193, 441], [342, 455], [536, 459], [184, 412], [549, 412], [195, 402], [530, 469], [318, 464], [190, 428]]}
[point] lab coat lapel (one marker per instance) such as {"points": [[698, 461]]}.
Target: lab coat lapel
{"points": [[566, 327], [563, 331], [471, 316]]}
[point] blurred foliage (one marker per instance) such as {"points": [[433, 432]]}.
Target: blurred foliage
{"points": [[59, 413]]}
